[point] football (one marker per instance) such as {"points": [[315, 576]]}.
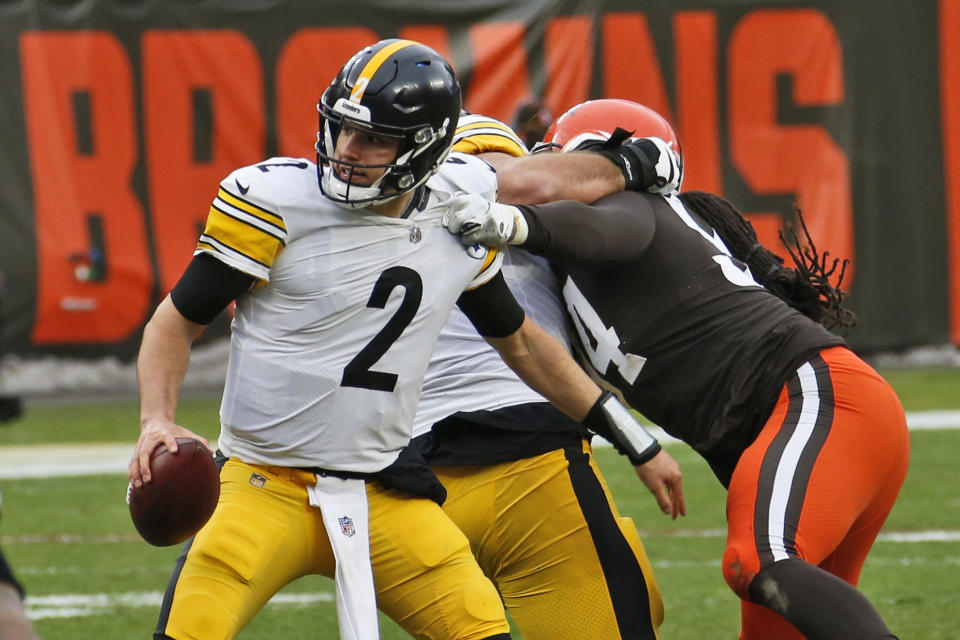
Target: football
{"points": [[181, 495]]}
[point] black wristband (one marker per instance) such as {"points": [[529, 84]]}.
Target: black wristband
{"points": [[634, 163]]}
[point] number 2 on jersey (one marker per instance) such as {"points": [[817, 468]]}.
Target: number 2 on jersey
{"points": [[357, 373]]}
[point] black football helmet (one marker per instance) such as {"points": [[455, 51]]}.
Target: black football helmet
{"points": [[394, 88]]}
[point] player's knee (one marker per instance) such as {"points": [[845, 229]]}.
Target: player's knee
{"points": [[196, 614], [482, 603], [739, 570], [471, 613]]}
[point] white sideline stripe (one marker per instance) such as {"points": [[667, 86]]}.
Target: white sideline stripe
{"points": [[933, 535], [916, 561], [73, 605], [94, 604], [54, 460], [916, 421]]}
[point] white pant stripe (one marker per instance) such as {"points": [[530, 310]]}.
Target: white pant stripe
{"points": [[787, 465]]}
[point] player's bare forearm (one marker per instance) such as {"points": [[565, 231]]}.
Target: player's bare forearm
{"points": [[161, 366], [546, 177], [163, 361], [545, 364]]}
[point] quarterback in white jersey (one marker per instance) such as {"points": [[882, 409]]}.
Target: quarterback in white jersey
{"points": [[327, 357]]}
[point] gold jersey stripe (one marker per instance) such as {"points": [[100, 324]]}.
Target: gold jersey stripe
{"points": [[478, 133], [486, 122], [491, 256], [207, 242], [373, 64], [491, 267], [235, 259], [247, 240], [270, 229], [267, 216], [471, 122], [489, 142]]}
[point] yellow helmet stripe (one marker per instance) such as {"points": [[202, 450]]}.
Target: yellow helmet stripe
{"points": [[373, 65]]}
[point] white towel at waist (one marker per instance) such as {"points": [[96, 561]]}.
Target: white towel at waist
{"points": [[343, 505]]}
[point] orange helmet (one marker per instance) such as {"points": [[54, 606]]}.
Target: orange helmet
{"points": [[605, 115]]}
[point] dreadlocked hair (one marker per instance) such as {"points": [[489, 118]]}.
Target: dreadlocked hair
{"points": [[806, 287]]}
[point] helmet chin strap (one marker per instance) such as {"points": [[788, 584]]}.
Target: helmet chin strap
{"points": [[350, 195]]}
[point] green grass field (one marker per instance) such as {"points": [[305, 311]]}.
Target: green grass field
{"points": [[91, 578]]}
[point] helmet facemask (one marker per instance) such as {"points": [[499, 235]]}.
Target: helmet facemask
{"points": [[403, 100], [345, 192]]}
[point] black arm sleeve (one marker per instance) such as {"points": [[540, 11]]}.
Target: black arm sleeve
{"points": [[206, 287], [492, 309], [615, 228]]}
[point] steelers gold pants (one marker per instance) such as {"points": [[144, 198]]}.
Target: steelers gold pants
{"points": [[264, 534], [546, 531]]}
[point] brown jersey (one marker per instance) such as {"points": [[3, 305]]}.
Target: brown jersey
{"points": [[666, 315]]}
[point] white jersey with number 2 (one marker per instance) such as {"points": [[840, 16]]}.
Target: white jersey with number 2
{"points": [[328, 352]]}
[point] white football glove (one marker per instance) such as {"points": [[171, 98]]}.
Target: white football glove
{"points": [[668, 165], [480, 221]]}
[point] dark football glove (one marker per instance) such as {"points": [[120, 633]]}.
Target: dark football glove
{"points": [[647, 164]]}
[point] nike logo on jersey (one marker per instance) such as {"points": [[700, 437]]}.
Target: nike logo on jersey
{"points": [[243, 189]]}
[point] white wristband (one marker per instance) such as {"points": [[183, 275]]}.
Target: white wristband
{"points": [[520, 228], [630, 433]]}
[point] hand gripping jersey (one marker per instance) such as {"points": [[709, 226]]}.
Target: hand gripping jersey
{"points": [[328, 353], [466, 373]]}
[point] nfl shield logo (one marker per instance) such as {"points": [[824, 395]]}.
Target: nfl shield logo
{"points": [[415, 235], [346, 526]]}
